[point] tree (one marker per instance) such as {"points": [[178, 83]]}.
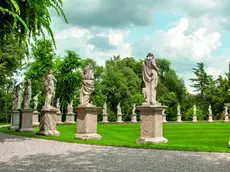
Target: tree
{"points": [[27, 18], [42, 61], [201, 82], [68, 79]]}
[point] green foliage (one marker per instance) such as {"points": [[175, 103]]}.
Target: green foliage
{"points": [[27, 18], [189, 114], [42, 56], [68, 78]]}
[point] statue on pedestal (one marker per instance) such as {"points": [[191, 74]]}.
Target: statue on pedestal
{"points": [[35, 99], [58, 105], [87, 86], [104, 111], [17, 98], [49, 85], [27, 95], [178, 109], [210, 110], [70, 108], [194, 109], [134, 109], [150, 78], [119, 109]]}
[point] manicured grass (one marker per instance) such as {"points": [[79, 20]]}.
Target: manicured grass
{"points": [[187, 137]]}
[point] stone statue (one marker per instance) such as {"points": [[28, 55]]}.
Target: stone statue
{"points": [[194, 109], [35, 99], [49, 86], [70, 107], [17, 98], [210, 110], [226, 110], [104, 111], [163, 112], [119, 109], [134, 109], [178, 109], [27, 95], [58, 105], [87, 85], [150, 78]]}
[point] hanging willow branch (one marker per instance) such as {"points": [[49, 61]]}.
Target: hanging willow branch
{"points": [[28, 18]]}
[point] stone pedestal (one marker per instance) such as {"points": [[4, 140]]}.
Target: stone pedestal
{"points": [[119, 118], [226, 118], [194, 118], [15, 116], [35, 118], [151, 125], [134, 118], [105, 118], [26, 120], [59, 118], [210, 119], [164, 119], [48, 123], [87, 123], [179, 118], [70, 118]]}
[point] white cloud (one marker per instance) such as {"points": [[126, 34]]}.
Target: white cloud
{"points": [[183, 49], [77, 39]]}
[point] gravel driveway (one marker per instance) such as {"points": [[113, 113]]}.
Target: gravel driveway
{"points": [[27, 154]]}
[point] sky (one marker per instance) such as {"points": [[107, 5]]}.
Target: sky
{"points": [[183, 32]]}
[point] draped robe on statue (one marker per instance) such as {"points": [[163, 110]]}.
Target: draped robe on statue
{"points": [[150, 78], [87, 85]]}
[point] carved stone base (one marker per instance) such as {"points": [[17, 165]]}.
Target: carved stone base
{"points": [[105, 118], [93, 136], [87, 123], [59, 118], [151, 125], [70, 118], [119, 118], [210, 119], [226, 118], [134, 118], [26, 121], [194, 119], [179, 118], [15, 117], [35, 118], [156, 140], [164, 119], [48, 123]]}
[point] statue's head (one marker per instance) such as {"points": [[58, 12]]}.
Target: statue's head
{"points": [[51, 71], [150, 56], [28, 82]]}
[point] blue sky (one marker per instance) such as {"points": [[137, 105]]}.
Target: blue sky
{"points": [[184, 32]]}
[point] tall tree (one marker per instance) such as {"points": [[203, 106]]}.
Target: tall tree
{"points": [[201, 82]]}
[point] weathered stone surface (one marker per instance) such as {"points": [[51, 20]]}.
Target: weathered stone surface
{"points": [[210, 118], [179, 118], [26, 121], [164, 116], [151, 125], [70, 118], [87, 123], [59, 117], [48, 123], [194, 118], [15, 116], [134, 118], [119, 118], [105, 118], [35, 118]]}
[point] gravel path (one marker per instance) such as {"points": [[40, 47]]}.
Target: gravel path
{"points": [[26, 154]]}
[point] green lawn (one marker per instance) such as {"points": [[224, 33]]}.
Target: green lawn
{"points": [[188, 137]]}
